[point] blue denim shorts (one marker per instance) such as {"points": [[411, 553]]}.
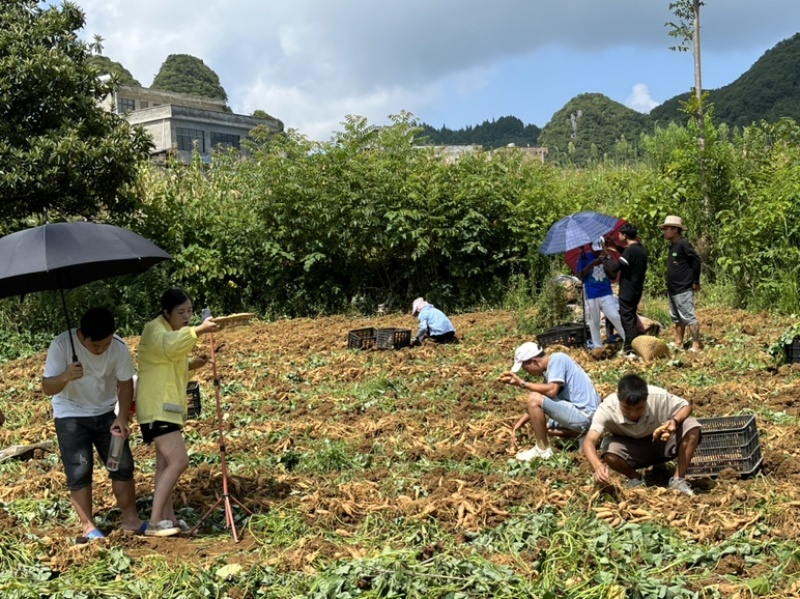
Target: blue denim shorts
{"points": [[76, 437], [564, 414]]}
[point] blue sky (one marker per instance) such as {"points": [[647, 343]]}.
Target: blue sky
{"points": [[449, 62]]}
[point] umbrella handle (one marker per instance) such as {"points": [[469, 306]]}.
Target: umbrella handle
{"points": [[69, 328]]}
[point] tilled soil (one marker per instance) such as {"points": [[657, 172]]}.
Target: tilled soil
{"points": [[283, 378]]}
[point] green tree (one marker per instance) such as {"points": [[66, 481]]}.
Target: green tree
{"points": [[59, 150], [186, 74], [767, 90], [490, 134], [687, 31]]}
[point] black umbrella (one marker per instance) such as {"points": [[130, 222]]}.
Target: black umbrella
{"points": [[66, 255]]}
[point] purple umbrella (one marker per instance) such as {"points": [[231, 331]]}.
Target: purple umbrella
{"points": [[576, 230]]}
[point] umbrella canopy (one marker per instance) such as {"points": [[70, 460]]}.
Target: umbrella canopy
{"points": [[65, 255], [575, 231], [60, 256], [571, 256]]}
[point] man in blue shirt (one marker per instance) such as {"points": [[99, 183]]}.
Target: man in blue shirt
{"points": [[567, 397], [433, 323], [599, 296]]}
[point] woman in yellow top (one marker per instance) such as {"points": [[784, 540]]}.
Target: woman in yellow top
{"points": [[164, 358]]}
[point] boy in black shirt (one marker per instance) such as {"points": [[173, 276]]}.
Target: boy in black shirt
{"points": [[683, 280], [632, 266]]}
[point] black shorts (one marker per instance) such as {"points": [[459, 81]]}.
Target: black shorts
{"points": [[445, 338], [151, 430]]}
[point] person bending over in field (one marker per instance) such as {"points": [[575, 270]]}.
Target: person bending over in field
{"points": [[84, 395], [433, 323], [645, 425], [562, 406]]}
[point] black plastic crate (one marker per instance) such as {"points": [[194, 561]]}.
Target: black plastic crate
{"points": [[393, 338], [792, 351], [362, 338], [194, 404], [728, 442], [569, 335]]}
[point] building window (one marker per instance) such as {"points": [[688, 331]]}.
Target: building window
{"points": [[126, 105], [224, 139], [144, 104], [188, 137]]}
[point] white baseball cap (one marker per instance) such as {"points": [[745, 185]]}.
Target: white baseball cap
{"points": [[525, 352]]}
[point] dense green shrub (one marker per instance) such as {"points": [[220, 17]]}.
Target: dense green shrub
{"points": [[304, 228]]}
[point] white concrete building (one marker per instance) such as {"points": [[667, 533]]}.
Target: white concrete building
{"points": [[182, 123]]}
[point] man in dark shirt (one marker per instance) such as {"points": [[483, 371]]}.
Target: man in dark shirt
{"points": [[683, 280], [632, 266]]}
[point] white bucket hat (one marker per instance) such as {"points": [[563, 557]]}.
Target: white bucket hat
{"points": [[418, 305]]}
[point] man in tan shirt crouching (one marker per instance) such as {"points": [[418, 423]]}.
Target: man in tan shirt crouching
{"points": [[644, 425]]}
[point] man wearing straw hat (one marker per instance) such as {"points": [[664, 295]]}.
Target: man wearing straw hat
{"points": [[683, 280]]}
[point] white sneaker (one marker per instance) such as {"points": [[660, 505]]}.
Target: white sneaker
{"points": [[535, 453], [182, 525], [165, 528], [680, 484]]}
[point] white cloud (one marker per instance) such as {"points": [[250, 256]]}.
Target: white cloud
{"points": [[311, 62], [317, 119], [640, 100]]}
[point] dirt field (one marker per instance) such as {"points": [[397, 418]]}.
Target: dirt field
{"points": [[432, 428]]}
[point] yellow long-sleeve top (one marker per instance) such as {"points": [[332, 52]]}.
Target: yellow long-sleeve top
{"points": [[163, 358]]}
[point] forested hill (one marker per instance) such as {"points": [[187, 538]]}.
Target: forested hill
{"points": [[769, 90], [590, 125], [490, 134]]}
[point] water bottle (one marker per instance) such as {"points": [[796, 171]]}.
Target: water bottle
{"points": [[115, 450], [205, 314]]}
